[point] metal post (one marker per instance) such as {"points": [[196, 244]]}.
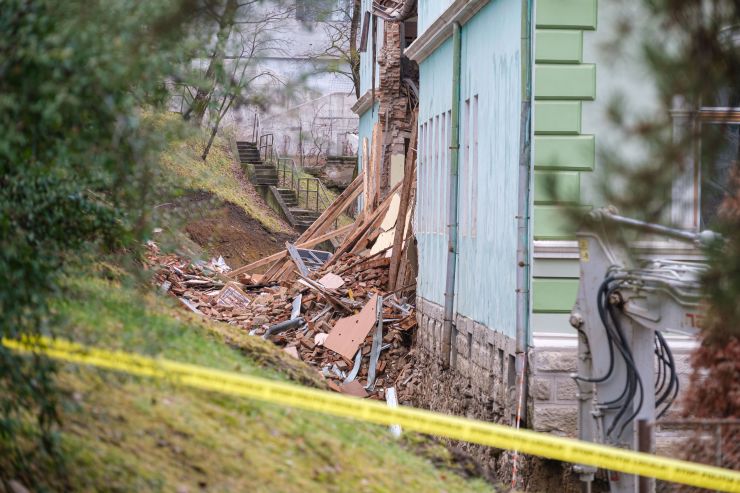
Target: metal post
{"points": [[645, 444]]}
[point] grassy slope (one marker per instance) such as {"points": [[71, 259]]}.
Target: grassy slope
{"points": [[126, 434], [215, 175]]}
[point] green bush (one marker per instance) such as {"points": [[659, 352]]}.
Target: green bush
{"points": [[75, 162]]}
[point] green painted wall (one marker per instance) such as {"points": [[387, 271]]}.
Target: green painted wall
{"points": [[557, 117], [559, 46], [557, 187], [562, 154], [558, 81], [554, 295], [565, 14]]}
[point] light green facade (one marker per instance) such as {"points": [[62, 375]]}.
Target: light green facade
{"points": [[563, 155]]}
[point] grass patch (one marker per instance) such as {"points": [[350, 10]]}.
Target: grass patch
{"points": [[216, 174], [123, 433]]}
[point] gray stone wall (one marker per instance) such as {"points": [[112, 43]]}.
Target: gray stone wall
{"points": [[554, 393], [479, 382]]}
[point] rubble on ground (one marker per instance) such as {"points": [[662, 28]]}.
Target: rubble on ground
{"points": [[349, 313], [201, 287]]}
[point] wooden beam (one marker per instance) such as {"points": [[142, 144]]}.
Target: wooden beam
{"points": [[284, 253], [322, 223], [375, 166], [408, 179], [374, 219], [366, 181]]}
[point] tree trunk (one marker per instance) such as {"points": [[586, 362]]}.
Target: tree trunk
{"points": [[203, 96], [354, 55]]}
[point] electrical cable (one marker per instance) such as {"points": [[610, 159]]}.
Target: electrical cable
{"points": [[602, 290], [636, 379]]}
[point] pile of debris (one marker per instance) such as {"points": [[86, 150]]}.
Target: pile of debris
{"points": [[349, 313], [339, 319]]}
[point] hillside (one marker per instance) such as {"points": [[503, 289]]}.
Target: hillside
{"points": [[121, 433]]}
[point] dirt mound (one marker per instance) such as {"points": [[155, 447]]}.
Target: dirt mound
{"points": [[224, 229]]}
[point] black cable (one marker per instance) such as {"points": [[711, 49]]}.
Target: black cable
{"points": [[602, 290], [629, 360], [674, 385]]}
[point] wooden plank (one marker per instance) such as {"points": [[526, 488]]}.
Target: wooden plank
{"points": [[408, 173], [321, 224], [377, 156], [297, 260], [326, 294], [366, 181], [283, 254], [373, 220], [334, 210]]}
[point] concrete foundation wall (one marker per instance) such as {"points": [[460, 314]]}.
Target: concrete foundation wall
{"points": [[480, 382]]}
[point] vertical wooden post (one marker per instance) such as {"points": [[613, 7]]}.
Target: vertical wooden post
{"points": [[366, 176], [377, 157], [408, 178]]}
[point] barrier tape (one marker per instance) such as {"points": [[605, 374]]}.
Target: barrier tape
{"points": [[468, 430]]}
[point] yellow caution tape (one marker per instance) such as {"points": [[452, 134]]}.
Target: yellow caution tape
{"points": [[494, 435]]}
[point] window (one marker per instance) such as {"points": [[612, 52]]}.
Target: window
{"points": [[437, 178], [698, 191], [463, 195], [720, 152], [442, 175]]}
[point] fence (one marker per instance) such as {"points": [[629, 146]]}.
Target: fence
{"points": [[707, 441]]}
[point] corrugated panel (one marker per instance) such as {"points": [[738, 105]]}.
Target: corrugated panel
{"points": [[433, 183], [491, 74]]}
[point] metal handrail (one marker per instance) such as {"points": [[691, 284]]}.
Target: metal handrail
{"points": [[312, 189]]}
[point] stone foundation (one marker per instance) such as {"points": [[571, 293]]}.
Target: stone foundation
{"points": [[554, 393], [479, 383]]}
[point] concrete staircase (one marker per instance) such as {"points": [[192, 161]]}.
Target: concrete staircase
{"points": [[302, 218], [264, 174]]}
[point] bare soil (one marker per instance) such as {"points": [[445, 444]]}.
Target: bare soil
{"points": [[224, 229]]}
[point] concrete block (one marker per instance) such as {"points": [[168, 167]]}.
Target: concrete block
{"points": [[480, 332], [541, 389], [479, 354], [559, 420], [462, 366], [567, 390], [556, 361], [462, 344], [479, 377]]}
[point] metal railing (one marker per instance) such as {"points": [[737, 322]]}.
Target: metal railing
{"points": [[311, 193], [266, 148]]}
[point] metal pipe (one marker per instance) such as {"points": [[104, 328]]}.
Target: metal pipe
{"points": [[524, 200], [525, 186], [676, 234], [452, 218]]}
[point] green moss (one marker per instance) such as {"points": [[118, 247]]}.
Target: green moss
{"points": [[123, 433]]}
